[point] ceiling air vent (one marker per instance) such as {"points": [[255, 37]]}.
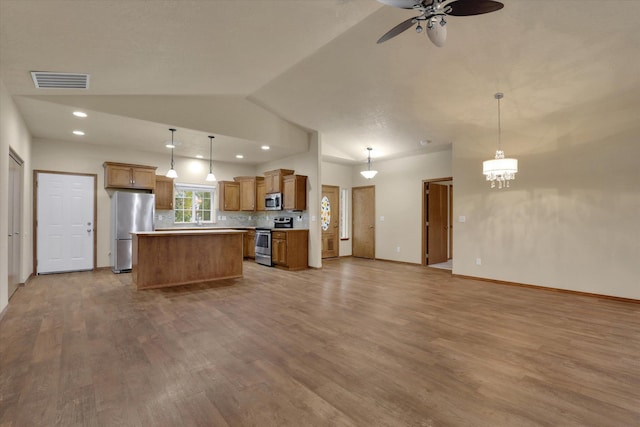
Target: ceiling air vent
{"points": [[47, 80]]}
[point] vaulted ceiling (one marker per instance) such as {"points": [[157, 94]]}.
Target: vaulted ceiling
{"points": [[255, 72]]}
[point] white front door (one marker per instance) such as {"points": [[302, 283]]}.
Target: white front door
{"points": [[65, 222]]}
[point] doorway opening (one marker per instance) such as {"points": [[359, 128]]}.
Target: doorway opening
{"points": [[437, 221], [14, 244]]}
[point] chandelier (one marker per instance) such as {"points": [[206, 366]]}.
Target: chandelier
{"points": [[499, 169]]}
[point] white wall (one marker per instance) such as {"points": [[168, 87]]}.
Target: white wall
{"points": [[14, 135], [62, 156], [340, 175], [569, 220], [307, 164], [398, 192]]}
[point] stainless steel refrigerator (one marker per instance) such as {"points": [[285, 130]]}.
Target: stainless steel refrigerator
{"points": [[129, 212]]}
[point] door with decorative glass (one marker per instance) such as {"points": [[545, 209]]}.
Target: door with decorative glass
{"points": [[330, 221]]}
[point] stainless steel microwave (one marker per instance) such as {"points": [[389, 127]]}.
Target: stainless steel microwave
{"points": [[273, 202]]}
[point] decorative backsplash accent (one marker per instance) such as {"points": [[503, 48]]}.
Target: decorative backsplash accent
{"points": [[164, 219]]}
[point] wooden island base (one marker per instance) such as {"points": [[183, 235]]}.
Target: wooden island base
{"points": [[171, 258]]}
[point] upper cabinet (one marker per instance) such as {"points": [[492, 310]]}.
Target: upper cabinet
{"points": [[273, 180], [122, 175], [249, 192], [229, 197], [164, 193], [294, 193], [260, 193]]}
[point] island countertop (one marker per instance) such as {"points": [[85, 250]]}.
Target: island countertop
{"points": [[187, 231], [180, 257]]}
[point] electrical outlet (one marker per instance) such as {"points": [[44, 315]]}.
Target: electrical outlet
{"points": [[478, 261], [160, 217], [398, 249], [462, 218], [382, 218], [313, 218]]}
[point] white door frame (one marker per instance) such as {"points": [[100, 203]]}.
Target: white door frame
{"points": [[35, 213]]}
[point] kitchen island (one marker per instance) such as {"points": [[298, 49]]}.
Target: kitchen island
{"points": [[180, 257]]}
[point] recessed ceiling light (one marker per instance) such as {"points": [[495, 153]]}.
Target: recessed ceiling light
{"points": [[199, 156], [169, 145], [80, 114], [265, 147], [239, 156], [78, 132]]}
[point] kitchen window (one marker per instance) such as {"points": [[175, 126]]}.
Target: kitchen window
{"points": [[193, 204]]}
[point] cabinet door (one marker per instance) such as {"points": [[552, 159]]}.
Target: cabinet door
{"points": [[164, 193], [250, 239], [260, 193], [229, 199], [248, 195], [270, 181], [117, 176], [279, 252], [294, 192], [143, 178]]}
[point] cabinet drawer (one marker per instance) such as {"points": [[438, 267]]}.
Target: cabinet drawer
{"points": [[282, 235]]}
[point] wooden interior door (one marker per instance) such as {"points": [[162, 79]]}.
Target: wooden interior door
{"points": [[438, 219], [364, 232], [330, 221]]}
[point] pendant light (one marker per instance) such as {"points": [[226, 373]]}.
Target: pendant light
{"points": [[369, 173], [172, 172], [499, 169], [211, 176]]}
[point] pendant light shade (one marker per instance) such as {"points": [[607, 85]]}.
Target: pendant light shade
{"points": [[499, 169], [210, 175], [172, 172], [368, 174]]}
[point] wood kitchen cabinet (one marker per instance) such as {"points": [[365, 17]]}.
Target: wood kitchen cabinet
{"points": [[294, 193], [123, 175], [289, 249], [273, 180], [249, 192], [229, 197], [164, 193], [250, 244], [260, 193]]}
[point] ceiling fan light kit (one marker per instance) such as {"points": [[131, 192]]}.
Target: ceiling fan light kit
{"points": [[499, 169], [433, 13]]}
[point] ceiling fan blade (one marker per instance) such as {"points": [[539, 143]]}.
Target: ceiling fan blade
{"points": [[402, 4], [400, 28], [473, 7]]}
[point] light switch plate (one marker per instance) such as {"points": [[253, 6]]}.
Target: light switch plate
{"points": [[462, 218]]}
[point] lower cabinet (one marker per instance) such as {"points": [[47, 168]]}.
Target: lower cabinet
{"points": [[289, 249], [250, 244]]}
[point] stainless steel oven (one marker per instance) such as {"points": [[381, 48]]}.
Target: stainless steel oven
{"points": [[263, 246]]}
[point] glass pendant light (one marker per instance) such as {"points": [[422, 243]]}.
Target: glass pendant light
{"points": [[172, 172], [210, 176], [369, 173], [499, 169]]}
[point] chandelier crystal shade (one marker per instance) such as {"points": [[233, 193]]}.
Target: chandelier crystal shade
{"points": [[368, 174], [210, 175], [499, 169], [172, 172]]}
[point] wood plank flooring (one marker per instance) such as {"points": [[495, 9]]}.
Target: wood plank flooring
{"points": [[358, 343]]}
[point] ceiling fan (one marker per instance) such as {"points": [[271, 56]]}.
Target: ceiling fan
{"points": [[433, 13]]}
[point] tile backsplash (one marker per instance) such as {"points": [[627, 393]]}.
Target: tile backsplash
{"points": [[164, 219]]}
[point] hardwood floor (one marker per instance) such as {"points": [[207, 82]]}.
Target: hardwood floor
{"points": [[358, 343]]}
